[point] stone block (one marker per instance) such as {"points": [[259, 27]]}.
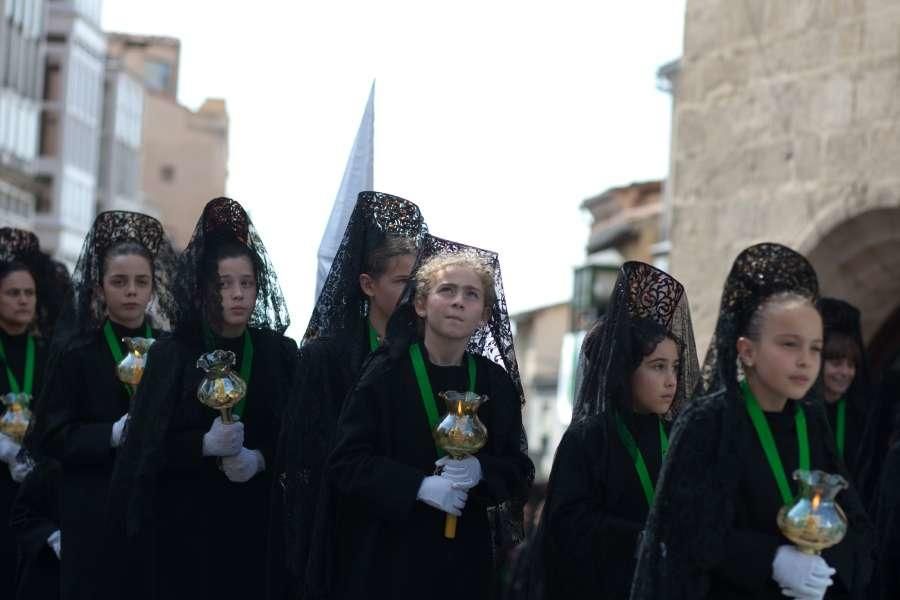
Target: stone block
{"points": [[807, 157], [884, 153], [691, 126], [878, 92], [703, 31], [769, 165], [833, 12], [845, 152], [690, 82], [785, 18], [881, 32], [722, 73], [832, 101]]}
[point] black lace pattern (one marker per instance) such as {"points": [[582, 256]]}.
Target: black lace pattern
{"points": [[87, 311], [225, 221], [341, 305], [641, 292]]}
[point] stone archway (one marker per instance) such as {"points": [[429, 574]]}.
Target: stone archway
{"points": [[857, 257]]}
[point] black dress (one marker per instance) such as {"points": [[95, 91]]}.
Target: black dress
{"points": [[14, 346], [596, 508], [745, 571], [390, 545], [35, 516], [327, 370], [195, 534], [83, 399]]}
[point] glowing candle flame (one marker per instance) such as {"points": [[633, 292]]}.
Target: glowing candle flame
{"points": [[815, 502], [459, 409]]}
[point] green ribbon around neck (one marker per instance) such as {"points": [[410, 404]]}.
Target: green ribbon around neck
{"points": [[425, 390], [764, 433], [28, 379], [640, 465], [373, 338], [115, 347], [840, 429]]}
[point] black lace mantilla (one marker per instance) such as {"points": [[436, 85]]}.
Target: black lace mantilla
{"points": [[341, 305], [87, 311], [493, 339], [225, 221], [641, 292], [759, 272]]}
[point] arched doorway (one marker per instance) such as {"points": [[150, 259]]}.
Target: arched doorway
{"points": [[858, 260]]}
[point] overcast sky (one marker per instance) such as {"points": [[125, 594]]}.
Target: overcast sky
{"points": [[497, 118]]}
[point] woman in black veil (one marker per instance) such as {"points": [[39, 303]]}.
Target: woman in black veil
{"points": [[121, 288], [639, 364], [189, 496], [711, 532], [32, 290], [369, 273], [845, 386]]}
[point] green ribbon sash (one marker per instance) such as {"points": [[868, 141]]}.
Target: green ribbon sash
{"points": [[764, 433], [840, 430], [425, 390], [28, 380], [373, 338], [640, 466]]}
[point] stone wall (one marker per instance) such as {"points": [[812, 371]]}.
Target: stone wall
{"points": [[786, 126]]}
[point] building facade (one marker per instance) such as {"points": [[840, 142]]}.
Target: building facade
{"points": [[22, 52], [120, 149], [184, 156], [71, 123]]}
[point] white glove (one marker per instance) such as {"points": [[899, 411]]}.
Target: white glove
{"points": [[465, 472], [443, 494], [801, 575], [19, 470], [223, 439], [244, 465], [8, 449], [55, 543], [118, 429]]}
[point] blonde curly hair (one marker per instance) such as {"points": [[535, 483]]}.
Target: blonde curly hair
{"points": [[426, 275]]}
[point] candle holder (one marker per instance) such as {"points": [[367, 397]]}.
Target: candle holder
{"points": [[221, 388], [131, 369], [460, 434], [814, 521]]}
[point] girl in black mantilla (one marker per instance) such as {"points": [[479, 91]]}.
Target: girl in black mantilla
{"points": [[32, 288], [191, 493], [125, 263], [712, 530], [367, 278], [844, 381], [639, 364], [391, 506]]}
